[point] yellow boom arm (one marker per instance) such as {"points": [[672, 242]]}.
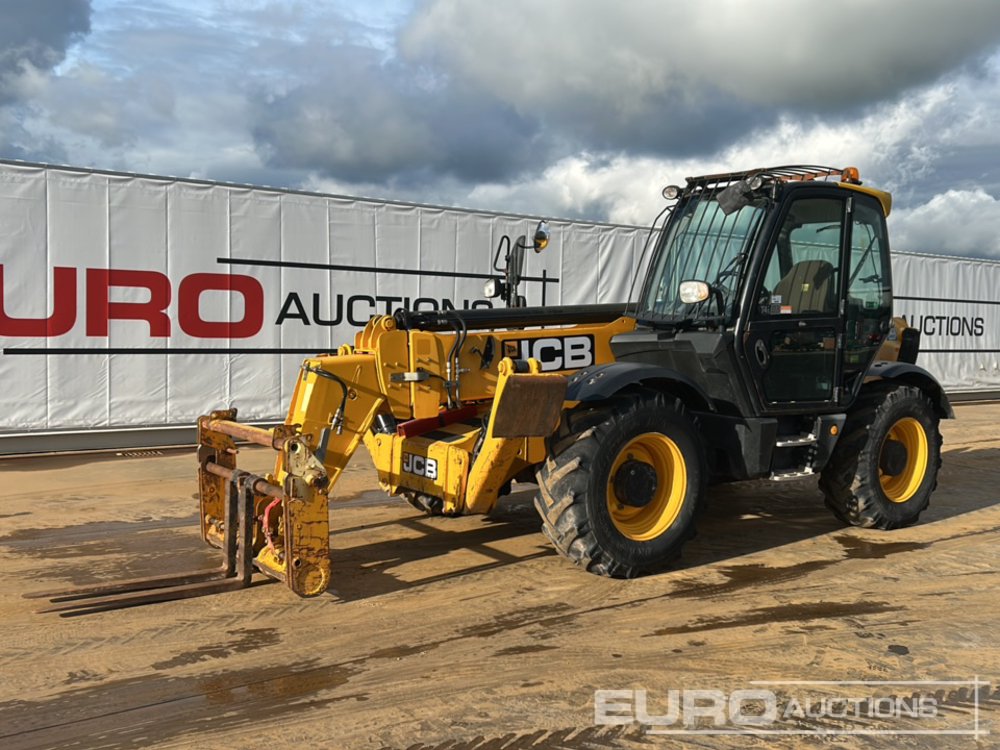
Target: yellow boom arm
{"points": [[454, 422]]}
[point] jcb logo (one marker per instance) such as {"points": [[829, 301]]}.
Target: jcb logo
{"points": [[554, 352], [421, 466]]}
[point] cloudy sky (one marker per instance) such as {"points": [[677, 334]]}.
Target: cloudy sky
{"points": [[567, 108]]}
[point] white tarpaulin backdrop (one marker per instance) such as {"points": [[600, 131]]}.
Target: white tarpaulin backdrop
{"points": [[955, 303], [133, 300], [81, 358]]}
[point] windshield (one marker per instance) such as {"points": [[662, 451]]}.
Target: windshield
{"points": [[699, 243]]}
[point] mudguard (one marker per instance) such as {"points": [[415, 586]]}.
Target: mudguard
{"points": [[914, 375], [600, 382]]}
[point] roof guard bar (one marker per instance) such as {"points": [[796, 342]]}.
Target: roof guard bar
{"points": [[791, 173]]}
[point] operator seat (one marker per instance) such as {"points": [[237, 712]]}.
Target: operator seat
{"points": [[808, 287]]}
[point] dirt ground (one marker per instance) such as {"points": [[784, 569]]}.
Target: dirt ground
{"points": [[471, 633]]}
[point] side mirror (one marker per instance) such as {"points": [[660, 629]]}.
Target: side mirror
{"points": [[692, 292], [506, 287], [734, 197], [515, 268], [541, 238]]}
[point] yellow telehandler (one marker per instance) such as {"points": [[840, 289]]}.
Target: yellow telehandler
{"points": [[760, 345]]}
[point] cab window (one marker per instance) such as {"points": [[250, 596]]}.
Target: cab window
{"points": [[869, 284], [803, 272]]}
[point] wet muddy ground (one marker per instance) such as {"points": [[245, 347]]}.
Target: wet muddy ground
{"points": [[471, 633]]}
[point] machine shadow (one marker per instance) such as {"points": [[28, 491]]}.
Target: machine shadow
{"points": [[738, 519], [381, 567]]}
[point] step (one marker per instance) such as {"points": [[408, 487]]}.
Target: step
{"points": [[786, 476], [793, 441]]}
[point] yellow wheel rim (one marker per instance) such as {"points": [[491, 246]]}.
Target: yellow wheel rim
{"points": [[652, 519], [902, 486]]}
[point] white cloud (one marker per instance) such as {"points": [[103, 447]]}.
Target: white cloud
{"points": [[894, 146], [956, 222], [609, 58]]}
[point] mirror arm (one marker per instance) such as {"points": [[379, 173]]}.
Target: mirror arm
{"points": [[721, 300]]}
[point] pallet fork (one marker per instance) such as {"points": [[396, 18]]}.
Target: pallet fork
{"points": [[235, 572]]}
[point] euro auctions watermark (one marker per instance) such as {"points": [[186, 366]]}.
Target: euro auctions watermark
{"points": [[803, 707]]}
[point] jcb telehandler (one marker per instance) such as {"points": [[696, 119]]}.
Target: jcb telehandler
{"points": [[760, 345]]}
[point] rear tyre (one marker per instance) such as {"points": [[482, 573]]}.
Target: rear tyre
{"points": [[623, 483], [885, 467]]}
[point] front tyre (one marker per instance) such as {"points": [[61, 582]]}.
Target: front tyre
{"points": [[885, 467], [623, 483]]}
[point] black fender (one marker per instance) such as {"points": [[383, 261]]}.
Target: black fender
{"points": [[603, 381], [911, 374]]}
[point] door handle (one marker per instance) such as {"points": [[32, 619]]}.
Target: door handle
{"points": [[760, 352]]}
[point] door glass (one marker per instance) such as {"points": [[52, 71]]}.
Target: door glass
{"points": [[869, 288], [801, 284], [802, 275]]}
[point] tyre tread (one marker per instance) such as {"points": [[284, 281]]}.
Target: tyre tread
{"points": [[563, 481], [845, 482]]}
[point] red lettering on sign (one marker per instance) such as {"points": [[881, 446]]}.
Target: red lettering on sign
{"points": [[63, 309], [189, 315], [100, 310]]}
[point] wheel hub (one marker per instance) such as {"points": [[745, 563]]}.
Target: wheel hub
{"points": [[903, 460], [635, 483], [894, 458]]}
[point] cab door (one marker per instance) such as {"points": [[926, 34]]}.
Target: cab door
{"points": [[792, 341]]}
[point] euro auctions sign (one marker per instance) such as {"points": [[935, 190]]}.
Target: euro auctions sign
{"points": [[154, 293], [137, 300]]}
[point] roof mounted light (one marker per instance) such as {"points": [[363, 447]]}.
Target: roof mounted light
{"points": [[756, 182], [671, 192]]}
